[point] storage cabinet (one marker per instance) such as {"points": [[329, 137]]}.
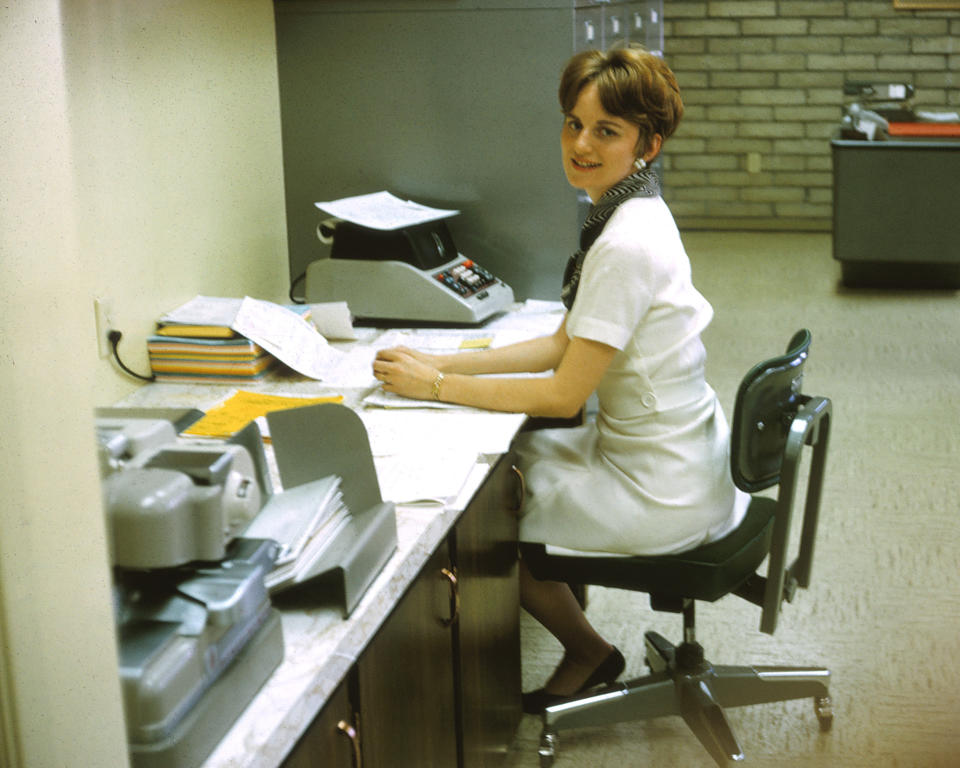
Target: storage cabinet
{"points": [[406, 688], [332, 740], [439, 684], [489, 627]]}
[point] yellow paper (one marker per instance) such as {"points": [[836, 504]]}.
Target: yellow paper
{"points": [[197, 331], [243, 407], [476, 343]]}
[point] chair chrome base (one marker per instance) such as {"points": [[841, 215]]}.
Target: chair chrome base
{"points": [[683, 683]]}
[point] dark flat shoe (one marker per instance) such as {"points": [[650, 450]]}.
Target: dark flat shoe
{"points": [[609, 670]]}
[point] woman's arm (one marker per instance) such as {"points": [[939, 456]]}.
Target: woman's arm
{"points": [[578, 372], [532, 356]]}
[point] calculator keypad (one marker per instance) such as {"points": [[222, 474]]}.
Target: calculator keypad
{"points": [[466, 278]]}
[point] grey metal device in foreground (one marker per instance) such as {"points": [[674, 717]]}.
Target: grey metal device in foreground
{"points": [[197, 634], [773, 424], [169, 504], [195, 646]]}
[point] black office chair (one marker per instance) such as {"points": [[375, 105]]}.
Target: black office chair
{"points": [[772, 422]]}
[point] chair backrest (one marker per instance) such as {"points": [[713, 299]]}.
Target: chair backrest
{"points": [[773, 422], [768, 399]]}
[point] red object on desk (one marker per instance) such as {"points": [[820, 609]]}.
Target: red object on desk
{"points": [[945, 130]]}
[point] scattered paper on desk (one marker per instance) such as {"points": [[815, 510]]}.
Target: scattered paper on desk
{"points": [[533, 318], [378, 398], [539, 306], [286, 336], [435, 339], [333, 320], [355, 369], [381, 210], [424, 478], [399, 433], [241, 408], [205, 310], [429, 456], [280, 331]]}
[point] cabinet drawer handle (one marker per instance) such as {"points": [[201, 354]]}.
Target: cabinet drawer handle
{"points": [[521, 494], [351, 733], [451, 578]]}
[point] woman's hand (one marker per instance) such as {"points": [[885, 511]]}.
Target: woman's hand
{"points": [[406, 372]]}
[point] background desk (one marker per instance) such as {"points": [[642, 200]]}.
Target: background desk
{"points": [[418, 692], [895, 212]]}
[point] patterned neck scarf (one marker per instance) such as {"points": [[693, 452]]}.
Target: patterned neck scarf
{"points": [[643, 183]]}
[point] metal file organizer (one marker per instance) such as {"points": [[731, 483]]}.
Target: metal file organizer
{"points": [[330, 439]]}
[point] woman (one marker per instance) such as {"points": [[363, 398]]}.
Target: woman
{"points": [[649, 475]]}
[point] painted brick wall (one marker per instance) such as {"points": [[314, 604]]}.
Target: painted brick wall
{"points": [[762, 82]]}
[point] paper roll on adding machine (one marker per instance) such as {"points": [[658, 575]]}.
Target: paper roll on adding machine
{"points": [[396, 260]]}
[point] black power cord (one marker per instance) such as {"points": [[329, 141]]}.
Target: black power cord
{"points": [[294, 284], [114, 338]]}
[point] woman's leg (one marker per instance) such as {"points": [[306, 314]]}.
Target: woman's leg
{"points": [[554, 605]]}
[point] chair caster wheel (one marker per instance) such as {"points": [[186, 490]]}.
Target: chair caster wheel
{"points": [[548, 748], [823, 707]]}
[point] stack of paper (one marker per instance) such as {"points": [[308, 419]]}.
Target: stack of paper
{"points": [[192, 345], [186, 358], [270, 331], [304, 520]]}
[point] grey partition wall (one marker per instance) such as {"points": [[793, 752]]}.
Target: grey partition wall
{"points": [[445, 102]]}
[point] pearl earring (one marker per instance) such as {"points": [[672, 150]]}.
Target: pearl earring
{"points": [[639, 163]]}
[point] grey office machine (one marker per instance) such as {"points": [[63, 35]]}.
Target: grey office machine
{"points": [[197, 631], [169, 505], [198, 636], [414, 273]]}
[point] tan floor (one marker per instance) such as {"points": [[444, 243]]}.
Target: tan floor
{"points": [[883, 611]]}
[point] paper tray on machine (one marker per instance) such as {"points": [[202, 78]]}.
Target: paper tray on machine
{"points": [[329, 439]]}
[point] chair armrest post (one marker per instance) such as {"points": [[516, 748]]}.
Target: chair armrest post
{"points": [[809, 426], [821, 408]]}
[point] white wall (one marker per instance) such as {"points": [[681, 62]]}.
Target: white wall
{"points": [[140, 162], [175, 128]]}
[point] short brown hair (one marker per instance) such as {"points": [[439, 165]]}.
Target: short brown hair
{"points": [[632, 84]]}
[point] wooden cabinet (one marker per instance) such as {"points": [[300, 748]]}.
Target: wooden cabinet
{"points": [[332, 739], [406, 690], [439, 684], [489, 627]]}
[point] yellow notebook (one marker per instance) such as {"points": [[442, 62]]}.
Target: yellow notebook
{"points": [[197, 331]]}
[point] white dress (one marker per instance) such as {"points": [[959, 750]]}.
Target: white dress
{"points": [[651, 474]]}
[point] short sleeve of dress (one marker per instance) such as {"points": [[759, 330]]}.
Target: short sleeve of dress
{"points": [[615, 291]]}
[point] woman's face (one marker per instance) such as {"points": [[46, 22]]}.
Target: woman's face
{"points": [[598, 148]]}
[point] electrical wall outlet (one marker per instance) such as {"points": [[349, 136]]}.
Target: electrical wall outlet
{"points": [[104, 325]]}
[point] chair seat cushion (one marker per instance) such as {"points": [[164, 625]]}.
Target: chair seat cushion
{"points": [[706, 573]]}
